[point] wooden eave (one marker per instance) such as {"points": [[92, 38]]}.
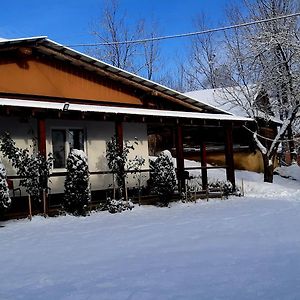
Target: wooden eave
{"points": [[28, 109], [106, 71], [28, 113], [46, 47]]}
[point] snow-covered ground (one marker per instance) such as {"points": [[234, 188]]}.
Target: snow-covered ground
{"points": [[240, 248]]}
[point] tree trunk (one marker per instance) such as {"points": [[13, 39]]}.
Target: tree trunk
{"points": [[268, 169], [291, 144]]}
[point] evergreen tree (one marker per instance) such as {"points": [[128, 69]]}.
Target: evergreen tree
{"points": [[117, 158], [135, 166], [5, 200], [163, 177], [77, 189]]}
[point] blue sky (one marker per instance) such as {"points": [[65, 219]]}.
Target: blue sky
{"points": [[70, 21]]}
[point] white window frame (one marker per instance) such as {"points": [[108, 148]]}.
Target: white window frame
{"points": [[67, 144]]}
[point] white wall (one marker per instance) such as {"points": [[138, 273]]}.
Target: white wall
{"points": [[22, 131], [97, 134]]}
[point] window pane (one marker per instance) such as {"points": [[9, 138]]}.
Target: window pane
{"points": [[59, 151], [76, 139]]}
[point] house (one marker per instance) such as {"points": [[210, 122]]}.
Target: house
{"points": [[240, 103], [53, 99]]}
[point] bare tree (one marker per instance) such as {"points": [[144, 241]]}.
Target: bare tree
{"points": [[176, 79], [150, 51], [206, 66], [115, 28], [257, 67], [264, 60]]}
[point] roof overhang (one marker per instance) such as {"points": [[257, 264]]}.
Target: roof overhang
{"points": [[8, 102], [47, 46]]}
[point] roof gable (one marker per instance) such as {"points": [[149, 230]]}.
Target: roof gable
{"points": [[48, 48]]}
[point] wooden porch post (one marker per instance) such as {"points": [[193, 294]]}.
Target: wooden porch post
{"points": [[119, 134], [41, 124], [203, 165], [119, 141], [229, 154], [42, 136], [180, 159]]}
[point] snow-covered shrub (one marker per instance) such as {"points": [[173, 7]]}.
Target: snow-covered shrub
{"points": [[188, 195], [115, 206], [117, 158], [225, 186], [135, 166], [192, 186], [5, 200], [163, 177], [77, 188], [118, 162], [33, 169]]}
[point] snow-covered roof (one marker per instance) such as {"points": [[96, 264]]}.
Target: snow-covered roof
{"points": [[44, 43], [118, 110], [227, 99], [219, 98]]}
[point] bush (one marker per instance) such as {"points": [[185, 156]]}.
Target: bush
{"points": [[117, 157], [225, 186], [163, 177], [77, 189], [135, 166], [5, 200], [115, 206]]}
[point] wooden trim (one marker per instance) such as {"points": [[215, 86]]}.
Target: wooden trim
{"points": [[119, 141], [119, 134], [204, 166], [41, 123], [61, 174], [118, 77], [180, 158], [229, 154], [42, 136]]}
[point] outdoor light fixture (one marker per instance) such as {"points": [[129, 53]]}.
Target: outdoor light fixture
{"points": [[66, 106]]}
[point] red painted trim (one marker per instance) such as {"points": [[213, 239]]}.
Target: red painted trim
{"points": [[229, 154], [119, 141], [119, 133], [180, 158], [204, 164], [42, 137]]}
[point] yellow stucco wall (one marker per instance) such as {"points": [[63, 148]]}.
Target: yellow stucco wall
{"points": [[251, 161]]}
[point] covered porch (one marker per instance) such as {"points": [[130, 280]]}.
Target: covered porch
{"points": [[42, 115]]}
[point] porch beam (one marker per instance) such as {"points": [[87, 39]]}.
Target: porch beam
{"points": [[229, 154]]}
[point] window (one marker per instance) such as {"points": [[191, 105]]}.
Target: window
{"points": [[63, 141]]}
